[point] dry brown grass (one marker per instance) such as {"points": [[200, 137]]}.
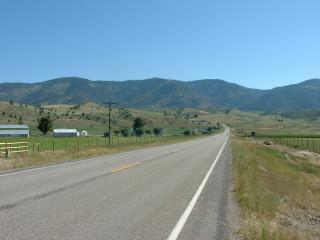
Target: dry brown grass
{"points": [[278, 193], [48, 157]]}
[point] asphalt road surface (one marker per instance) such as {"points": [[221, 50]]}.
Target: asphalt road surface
{"points": [[170, 192]]}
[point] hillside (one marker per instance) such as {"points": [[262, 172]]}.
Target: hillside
{"points": [[94, 118], [164, 93]]}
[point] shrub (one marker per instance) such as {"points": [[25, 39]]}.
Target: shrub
{"points": [[187, 133], [124, 132], [157, 131], [138, 131]]}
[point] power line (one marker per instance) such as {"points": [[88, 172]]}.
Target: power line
{"points": [[109, 103]]}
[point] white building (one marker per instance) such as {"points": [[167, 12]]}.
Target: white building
{"points": [[14, 131], [65, 132], [83, 133]]}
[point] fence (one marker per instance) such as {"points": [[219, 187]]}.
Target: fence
{"points": [[39, 144], [6, 149], [312, 144], [77, 143]]}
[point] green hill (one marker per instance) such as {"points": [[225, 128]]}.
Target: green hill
{"points": [[164, 93], [94, 118]]}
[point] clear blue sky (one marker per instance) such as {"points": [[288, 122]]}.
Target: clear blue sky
{"points": [[254, 43]]}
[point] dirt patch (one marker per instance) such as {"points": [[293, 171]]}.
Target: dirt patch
{"points": [[313, 157], [301, 220]]}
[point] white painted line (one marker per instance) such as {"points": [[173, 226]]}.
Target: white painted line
{"points": [[74, 162], [183, 219]]}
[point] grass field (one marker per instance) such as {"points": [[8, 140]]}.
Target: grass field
{"points": [[96, 147], [42, 143], [94, 119], [278, 193]]}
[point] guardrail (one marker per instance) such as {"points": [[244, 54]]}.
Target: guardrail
{"points": [[6, 149]]}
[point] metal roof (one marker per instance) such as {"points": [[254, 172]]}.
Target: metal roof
{"points": [[64, 130], [14, 127], [14, 132]]}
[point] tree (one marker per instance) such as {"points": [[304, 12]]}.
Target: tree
{"points": [[116, 132], [210, 129], [45, 124], [138, 123], [139, 131], [187, 133], [157, 131], [124, 132]]}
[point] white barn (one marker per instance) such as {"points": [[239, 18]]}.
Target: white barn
{"points": [[14, 131], [65, 132]]}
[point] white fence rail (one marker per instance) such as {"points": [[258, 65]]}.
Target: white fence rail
{"points": [[6, 149]]}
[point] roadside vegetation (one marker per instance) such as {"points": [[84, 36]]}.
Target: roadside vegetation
{"points": [[48, 156], [278, 192], [130, 129], [311, 143]]}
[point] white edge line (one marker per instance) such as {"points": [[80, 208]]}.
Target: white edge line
{"points": [[73, 162], [77, 161], [183, 219]]}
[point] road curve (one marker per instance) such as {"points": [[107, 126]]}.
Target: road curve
{"points": [[136, 195]]}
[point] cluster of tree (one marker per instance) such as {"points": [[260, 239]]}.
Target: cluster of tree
{"points": [[137, 129], [45, 124]]}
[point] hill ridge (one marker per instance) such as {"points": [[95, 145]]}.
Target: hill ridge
{"points": [[165, 93]]}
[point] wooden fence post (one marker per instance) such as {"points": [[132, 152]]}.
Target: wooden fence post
{"points": [[7, 151], [313, 144]]}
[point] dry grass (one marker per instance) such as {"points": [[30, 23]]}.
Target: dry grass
{"points": [[279, 194], [48, 157]]}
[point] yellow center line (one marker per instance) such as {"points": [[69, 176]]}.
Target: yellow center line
{"points": [[125, 167]]}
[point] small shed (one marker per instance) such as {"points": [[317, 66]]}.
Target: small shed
{"points": [[84, 133], [14, 131], [65, 132]]}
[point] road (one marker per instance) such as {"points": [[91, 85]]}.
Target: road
{"points": [[170, 192]]}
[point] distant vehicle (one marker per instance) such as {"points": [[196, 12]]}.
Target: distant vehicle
{"points": [[14, 131], [65, 132]]}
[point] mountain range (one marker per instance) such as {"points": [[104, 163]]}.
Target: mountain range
{"points": [[165, 93]]}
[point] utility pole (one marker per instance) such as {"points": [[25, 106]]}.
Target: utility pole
{"points": [[109, 103], [187, 118]]}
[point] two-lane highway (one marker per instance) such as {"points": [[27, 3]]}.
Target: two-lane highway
{"points": [[176, 191]]}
